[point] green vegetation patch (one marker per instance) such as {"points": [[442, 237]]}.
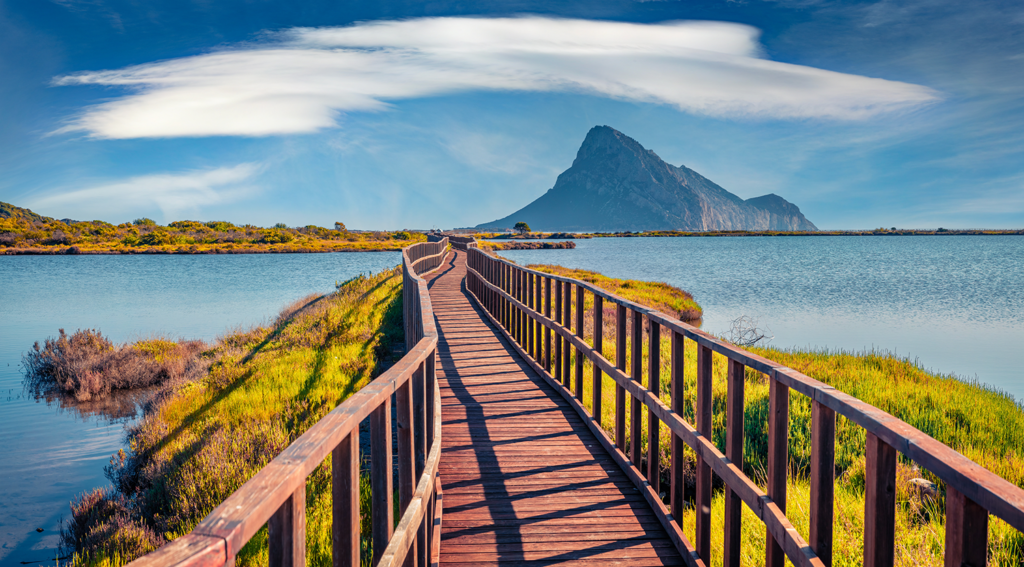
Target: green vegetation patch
{"points": [[25, 232], [264, 388], [661, 296]]}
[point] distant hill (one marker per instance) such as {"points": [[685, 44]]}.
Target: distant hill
{"points": [[8, 211], [616, 185]]}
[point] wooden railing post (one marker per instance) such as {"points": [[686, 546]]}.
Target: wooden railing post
{"points": [[558, 338], [566, 346], [528, 300], [547, 331], [519, 312], [537, 326], [637, 374], [345, 501], [778, 460], [823, 473], [733, 452], [879, 503], [598, 346], [653, 424], [676, 390], [580, 298], [406, 458], [620, 363], [382, 508], [703, 502], [966, 531], [286, 531]]}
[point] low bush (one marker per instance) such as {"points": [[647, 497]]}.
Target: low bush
{"points": [[85, 365]]}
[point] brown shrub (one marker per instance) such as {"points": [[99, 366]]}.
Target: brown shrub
{"points": [[102, 524], [86, 364]]}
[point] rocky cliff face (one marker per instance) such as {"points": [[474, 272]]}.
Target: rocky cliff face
{"points": [[616, 185]]}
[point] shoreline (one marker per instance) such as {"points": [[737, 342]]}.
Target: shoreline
{"points": [[67, 251]]}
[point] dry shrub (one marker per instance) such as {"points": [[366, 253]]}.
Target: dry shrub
{"points": [[103, 525], [85, 365]]}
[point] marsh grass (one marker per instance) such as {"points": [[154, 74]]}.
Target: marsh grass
{"points": [[982, 423], [265, 386]]}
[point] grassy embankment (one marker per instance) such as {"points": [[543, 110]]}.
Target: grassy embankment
{"points": [[25, 232], [265, 386], [985, 425]]}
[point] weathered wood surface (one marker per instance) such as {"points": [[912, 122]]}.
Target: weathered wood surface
{"points": [[525, 481]]}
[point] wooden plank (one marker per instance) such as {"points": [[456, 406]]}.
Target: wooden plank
{"points": [[620, 364], [677, 389], [380, 478], [406, 460], [345, 502], [566, 348], [823, 471], [518, 461], [597, 388], [703, 501], [734, 452], [778, 461], [580, 331], [653, 423], [286, 532], [637, 374], [966, 531], [558, 340], [547, 331], [879, 503]]}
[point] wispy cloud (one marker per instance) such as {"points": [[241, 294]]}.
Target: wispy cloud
{"points": [[299, 80], [171, 193]]}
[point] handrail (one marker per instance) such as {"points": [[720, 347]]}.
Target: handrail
{"points": [[513, 297], [462, 242], [276, 495]]}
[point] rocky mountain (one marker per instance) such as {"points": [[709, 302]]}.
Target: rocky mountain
{"points": [[616, 185]]}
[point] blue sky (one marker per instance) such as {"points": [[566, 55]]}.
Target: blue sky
{"points": [[449, 114]]}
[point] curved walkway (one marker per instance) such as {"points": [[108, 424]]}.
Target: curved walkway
{"points": [[525, 481]]}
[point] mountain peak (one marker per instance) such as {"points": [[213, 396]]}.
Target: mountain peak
{"points": [[616, 184]]}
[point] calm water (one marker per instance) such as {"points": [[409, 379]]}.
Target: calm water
{"points": [[954, 303], [50, 454]]}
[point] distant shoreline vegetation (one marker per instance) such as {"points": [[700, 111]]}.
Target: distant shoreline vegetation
{"points": [[23, 232]]}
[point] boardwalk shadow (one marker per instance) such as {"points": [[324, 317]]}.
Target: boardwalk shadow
{"points": [[525, 480]]}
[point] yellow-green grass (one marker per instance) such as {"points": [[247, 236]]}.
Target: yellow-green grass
{"points": [[265, 387], [984, 424], [657, 295]]}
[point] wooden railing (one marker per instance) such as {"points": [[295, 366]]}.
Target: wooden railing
{"points": [[276, 495], [514, 298], [462, 242]]}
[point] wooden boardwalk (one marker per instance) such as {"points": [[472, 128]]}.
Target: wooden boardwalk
{"points": [[525, 481]]}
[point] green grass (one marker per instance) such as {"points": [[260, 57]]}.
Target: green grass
{"points": [[265, 387], [982, 423]]}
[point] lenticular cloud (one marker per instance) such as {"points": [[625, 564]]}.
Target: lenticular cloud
{"points": [[300, 80]]}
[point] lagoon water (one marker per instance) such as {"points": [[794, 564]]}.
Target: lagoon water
{"points": [[50, 454], [954, 303]]}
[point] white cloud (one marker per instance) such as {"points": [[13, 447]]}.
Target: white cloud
{"points": [[171, 193], [298, 81]]}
